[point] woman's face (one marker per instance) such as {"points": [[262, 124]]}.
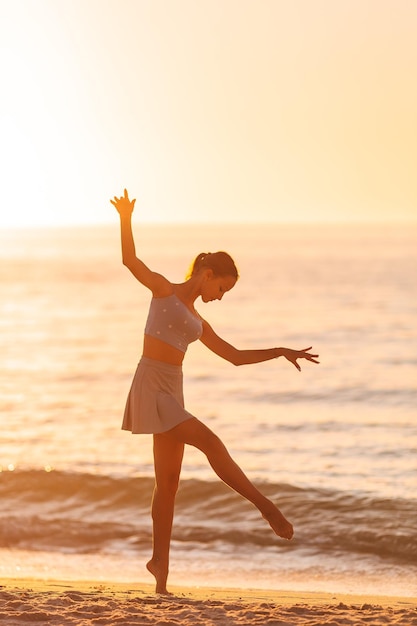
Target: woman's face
{"points": [[214, 287]]}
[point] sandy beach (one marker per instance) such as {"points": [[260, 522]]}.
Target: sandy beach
{"points": [[60, 603]]}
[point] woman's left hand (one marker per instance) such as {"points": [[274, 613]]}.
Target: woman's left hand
{"points": [[293, 355]]}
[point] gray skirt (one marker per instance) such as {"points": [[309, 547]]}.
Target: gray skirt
{"points": [[155, 403]]}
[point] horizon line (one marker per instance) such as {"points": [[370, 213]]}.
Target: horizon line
{"points": [[135, 222]]}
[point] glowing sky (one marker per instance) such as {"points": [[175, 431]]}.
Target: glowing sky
{"points": [[208, 110]]}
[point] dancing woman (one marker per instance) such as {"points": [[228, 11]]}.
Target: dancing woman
{"points": [[155, 403]]}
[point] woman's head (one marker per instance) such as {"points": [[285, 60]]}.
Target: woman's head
{"points": [[220, 263], [216, 273]]}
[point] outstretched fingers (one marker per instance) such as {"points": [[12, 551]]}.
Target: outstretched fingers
{"points": [[306, 355], [123, 204], [303, 354]]}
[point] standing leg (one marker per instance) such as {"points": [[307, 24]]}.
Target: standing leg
{"points": [[168, 455], [195, 433]]}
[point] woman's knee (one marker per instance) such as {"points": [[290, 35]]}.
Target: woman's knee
{"points": [[166, 485]]}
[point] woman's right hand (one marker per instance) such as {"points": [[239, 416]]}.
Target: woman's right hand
{"points": [[123, 205]]}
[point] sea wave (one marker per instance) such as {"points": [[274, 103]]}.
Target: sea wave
{"points": [[335, 395], [83, 513]]}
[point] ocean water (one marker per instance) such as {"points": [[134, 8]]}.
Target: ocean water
{"points": [[335, 445]]}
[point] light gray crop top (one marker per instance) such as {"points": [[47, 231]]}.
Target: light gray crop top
{"points": [[171, 321]]}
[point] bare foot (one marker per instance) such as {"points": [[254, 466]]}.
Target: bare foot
{"points": [[278, 523], [161, 575]]}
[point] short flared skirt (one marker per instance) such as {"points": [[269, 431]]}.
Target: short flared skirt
{"points": [[155, 403]]}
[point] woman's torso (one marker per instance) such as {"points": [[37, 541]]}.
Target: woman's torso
{"points": [[171, 326], [160, 351]]}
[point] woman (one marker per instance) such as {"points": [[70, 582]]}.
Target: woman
{"points": [[155, 402]]}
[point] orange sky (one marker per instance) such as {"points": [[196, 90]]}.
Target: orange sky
{"points": [[209, 110]]}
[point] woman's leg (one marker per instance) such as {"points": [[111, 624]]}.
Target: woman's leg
{"points": [[195, 433], [168, 455]]}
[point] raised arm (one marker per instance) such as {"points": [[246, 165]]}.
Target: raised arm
{"points": [[245, 357], [157, 283]]}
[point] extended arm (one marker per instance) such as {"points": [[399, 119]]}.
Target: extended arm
{"points": [[245, 357], [157, 283]]}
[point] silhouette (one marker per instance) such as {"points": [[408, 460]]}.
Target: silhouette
{"points": [[155, 402]]}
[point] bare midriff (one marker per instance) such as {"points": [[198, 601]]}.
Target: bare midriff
{"points": [[160, 351]]}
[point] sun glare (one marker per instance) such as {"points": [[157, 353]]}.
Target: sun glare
{"points": [[307, 123]]}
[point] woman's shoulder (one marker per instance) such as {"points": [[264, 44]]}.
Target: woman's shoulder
{"points": [[163, 288]]}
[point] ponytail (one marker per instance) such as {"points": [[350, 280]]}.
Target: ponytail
{"points": [[220, 263]]}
